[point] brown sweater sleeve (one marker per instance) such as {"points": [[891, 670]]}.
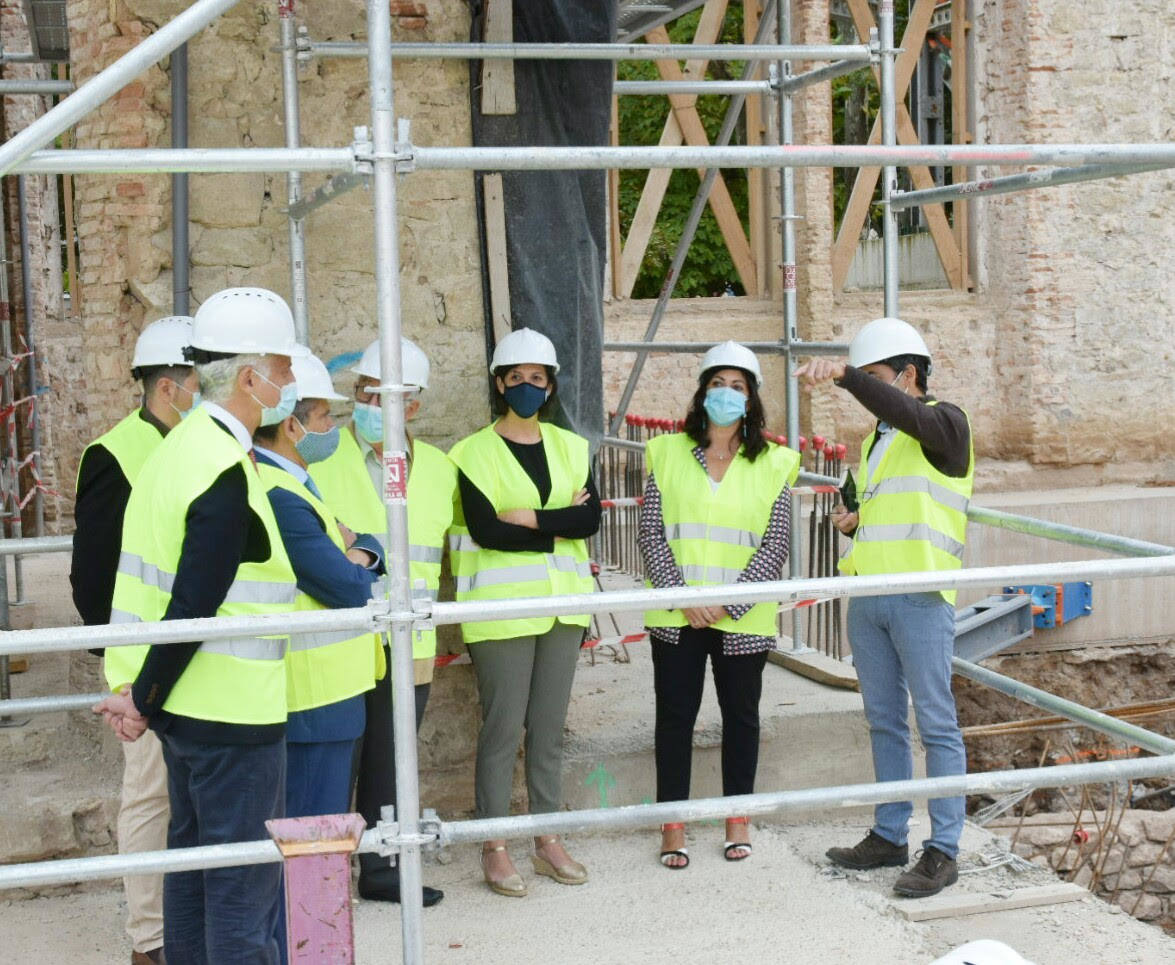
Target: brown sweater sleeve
{"points": [[942, 429]]}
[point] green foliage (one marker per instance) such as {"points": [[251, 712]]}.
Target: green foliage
{"points": [[708, 269]]}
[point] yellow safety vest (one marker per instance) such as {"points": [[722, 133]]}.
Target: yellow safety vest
{"points": [[131, 441], [912, 517], [485, 574], [346, 489], [713, 533], [240, 680], [324, 668]]}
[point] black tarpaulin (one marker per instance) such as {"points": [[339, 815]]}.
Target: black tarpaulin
{"points": [[556, 221]]}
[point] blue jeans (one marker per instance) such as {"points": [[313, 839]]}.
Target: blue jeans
{"points": [[222, 793], [902, 648]]}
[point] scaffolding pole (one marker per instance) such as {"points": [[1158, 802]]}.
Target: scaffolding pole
{"points": [[285, 14], [858, 53], [447, 833], [1047, 178], [395, 470], [416, 157], [889, 138]]}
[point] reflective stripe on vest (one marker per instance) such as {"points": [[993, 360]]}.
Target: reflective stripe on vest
{"points": [[324, 667], [486, 574], [912, 517], [247, 648], [236, 681], [346, 489], [714, 533], [239, 591]]}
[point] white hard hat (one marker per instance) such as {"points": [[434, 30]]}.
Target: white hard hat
{"points": [[313, 379], [523, 346], [412, 360], [731, 355], [985, 951], [883, 338], [246, 321], [163, 342]]}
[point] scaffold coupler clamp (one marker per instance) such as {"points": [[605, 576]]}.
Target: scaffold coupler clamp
{"points": [[363, 151], [404, 153], [305, 52], [421, 606], [390, 839]]}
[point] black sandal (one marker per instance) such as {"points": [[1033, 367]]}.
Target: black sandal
{"points": [[731, 846]]}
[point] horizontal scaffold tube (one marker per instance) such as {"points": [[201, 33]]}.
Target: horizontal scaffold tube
{"points": [[36, 544], [722, 87], [44, 873], [848, 52], [1103, 723], [1046, 178], [780, 348], [373, 618], [1061, 533], [416, 157]]}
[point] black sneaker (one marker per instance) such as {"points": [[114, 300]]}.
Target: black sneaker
{"points": [[933, 872], [872, 851]]}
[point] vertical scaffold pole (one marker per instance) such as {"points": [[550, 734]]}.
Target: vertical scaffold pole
{"points": [[395, 465], [285, 14], [787, 228], [889, 174]]}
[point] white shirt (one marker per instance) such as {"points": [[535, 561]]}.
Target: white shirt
{"points": [[288, 465], [230, 422]]}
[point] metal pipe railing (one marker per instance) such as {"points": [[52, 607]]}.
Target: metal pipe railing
{"points": [[293, 132], [1047, 178], [588, 157], [64, 871], [373, 618], [724, 52], [889, 138], [42, 87], [768, 348], [1062, 533], [796, 82], [700, 87], [1103, 723]]}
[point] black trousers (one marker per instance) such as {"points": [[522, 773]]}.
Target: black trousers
{"points": [[679, 674], [376, 756]]}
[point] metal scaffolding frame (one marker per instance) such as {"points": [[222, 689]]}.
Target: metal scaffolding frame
{"points": [[390, 152]]}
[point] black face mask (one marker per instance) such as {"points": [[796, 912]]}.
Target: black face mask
{"points": [[525, 399]]}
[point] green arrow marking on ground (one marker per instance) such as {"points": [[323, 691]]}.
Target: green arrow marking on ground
{"points": [[604, 780]]}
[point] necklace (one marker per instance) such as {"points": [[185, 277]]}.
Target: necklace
{"points": [[722, 456]]}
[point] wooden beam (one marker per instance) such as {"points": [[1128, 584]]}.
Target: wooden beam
{"points": [[975, 903], [685, 109], [497, 76], [615, 244], [640, 231], [860, 198], [936, 216], [499, 265]]}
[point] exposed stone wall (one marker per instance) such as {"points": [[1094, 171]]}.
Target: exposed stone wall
{"points": [[1124, 857], [55, 336], [238, 224]]}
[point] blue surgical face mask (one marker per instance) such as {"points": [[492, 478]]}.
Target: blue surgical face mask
{"points": [[369, 422], [526, 398], [196, 399], [317, 446], [725, 405], [272, 415]]}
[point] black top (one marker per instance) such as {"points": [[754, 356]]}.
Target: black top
{"points": [[221, 531], [103, 491], [570, 522], [940, 429]]}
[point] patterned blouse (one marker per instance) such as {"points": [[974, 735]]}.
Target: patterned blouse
{"points": [[766, 564]]}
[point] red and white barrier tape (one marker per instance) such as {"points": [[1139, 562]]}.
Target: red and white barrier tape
{"points": [[451, 659]]}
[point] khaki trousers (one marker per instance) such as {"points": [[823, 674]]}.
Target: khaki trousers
{"points": [[142, 826]]}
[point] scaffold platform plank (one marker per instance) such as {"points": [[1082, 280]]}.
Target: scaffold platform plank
{"points": [[953, 904]]}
